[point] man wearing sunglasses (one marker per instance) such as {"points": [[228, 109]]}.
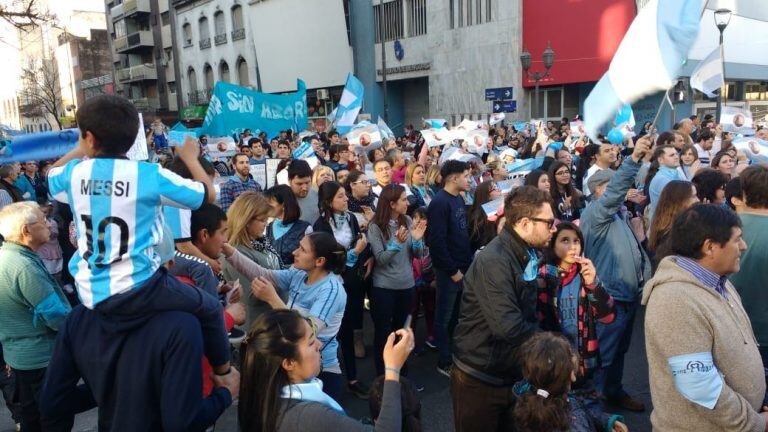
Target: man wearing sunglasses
{"points": [[622, 266], [498, 314]]}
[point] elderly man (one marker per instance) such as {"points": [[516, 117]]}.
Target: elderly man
{"points": [[704, 363], [9, 193], [32, 305]]}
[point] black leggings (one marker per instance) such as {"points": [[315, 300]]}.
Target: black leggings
{"points": [[389, 308]]}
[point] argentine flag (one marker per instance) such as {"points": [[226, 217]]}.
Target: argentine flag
{"points": [[435, 123], [386, 132], [649, 58], [351, 102], [708, 76]]}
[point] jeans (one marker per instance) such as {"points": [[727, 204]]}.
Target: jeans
{"points": [[448, 298], [163, 292], [29, 385], [424, 295], [614, 340], [354, 285], [389, 309], [478, 406]]}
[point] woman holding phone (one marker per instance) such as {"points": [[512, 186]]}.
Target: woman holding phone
{"points": [[395, 241], [336, 219]]}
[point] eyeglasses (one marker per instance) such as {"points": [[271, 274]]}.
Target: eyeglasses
{"points": [[550, 222], [562, 173], [360, 182]]}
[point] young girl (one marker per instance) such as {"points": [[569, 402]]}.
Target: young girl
{"points": [[336, 219], [571, 301], [285, 232], [279, 389], [310, 288], [543, 401], [394, 242], [425, 283]]}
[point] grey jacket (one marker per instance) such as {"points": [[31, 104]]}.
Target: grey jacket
{"points": [[620, 261], [393, 269], [253, 306]]}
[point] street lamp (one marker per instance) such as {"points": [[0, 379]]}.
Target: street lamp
{"points": [[549, 59], [722, 18]]}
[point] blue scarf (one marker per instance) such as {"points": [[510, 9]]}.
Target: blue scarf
{"points": [[310, 391], [532, 268]]}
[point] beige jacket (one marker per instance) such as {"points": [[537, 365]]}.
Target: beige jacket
{"points": [[684, 316]]}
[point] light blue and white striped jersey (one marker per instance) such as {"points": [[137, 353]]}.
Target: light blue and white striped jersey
{"points": [[179, 221], [324, 300], [117, 209]]}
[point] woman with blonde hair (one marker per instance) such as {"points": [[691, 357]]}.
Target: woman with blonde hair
{"points": [[434, 180], [416, 179], [321, 175], [247, 219]]}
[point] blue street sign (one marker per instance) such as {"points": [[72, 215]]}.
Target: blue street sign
{"points": [[504, 106], [502, 93]]}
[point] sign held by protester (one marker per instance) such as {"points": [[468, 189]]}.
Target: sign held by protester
{"points": [[737, 120]]}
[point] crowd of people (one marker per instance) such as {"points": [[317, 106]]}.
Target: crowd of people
{"points": [[123, 283]]}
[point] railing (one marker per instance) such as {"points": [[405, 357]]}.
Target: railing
{"points": [[134, 6], [199, 97], [116, 12], [142, 37], [205, 43], [146, 104], [220, 39], [238, 34]]}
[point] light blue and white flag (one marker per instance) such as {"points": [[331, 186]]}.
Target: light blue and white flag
{"points": [[386, 132], [351, 102], [708, 76], [661, 35], [754, 148], [435, 123]]}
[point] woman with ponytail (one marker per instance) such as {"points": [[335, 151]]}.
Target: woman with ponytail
{"points": [[543, 403], [310, 288], [279, 388]]}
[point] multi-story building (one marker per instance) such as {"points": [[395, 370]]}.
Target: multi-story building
{"points": [[265, 45], [142, 55]]}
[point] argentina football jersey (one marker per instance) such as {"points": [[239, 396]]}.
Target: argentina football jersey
{"points": [[178, 220], [117, 211]]}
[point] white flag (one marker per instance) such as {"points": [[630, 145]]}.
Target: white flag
{"points": [[708, 76]]}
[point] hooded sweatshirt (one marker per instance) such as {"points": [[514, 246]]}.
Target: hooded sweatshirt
{"points": [[697, 339]]}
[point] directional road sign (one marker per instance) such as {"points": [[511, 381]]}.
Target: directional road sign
{"points": [[502, 93], [504, 106]]}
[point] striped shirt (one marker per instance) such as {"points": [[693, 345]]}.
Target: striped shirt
{"points": [[705, 276], [117, 208]]}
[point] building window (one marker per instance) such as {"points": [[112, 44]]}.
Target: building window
{"points": [[187, 31], [204, 31], [172, 87], [218, 23], [417, 17], [192, 77], [208, 73], [465, 13], [756, 91], [120, 29], [391, 16], [242, 73], [237, 17], [165, 18], [224, 71]]}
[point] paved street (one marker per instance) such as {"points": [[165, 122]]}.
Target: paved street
{"points": [[436, 399]]}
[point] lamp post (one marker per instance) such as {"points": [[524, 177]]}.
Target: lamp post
{"points": [[549, 58], [722, 18]]}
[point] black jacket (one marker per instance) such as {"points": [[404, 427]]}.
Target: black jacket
{"points": [[322, 225], [498, 312]]}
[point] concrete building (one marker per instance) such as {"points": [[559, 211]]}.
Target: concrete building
{"points": [[143, 55], [265, 45]]}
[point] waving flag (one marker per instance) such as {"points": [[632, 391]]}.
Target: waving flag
{"points": [[496, 118], [349, 106], [708, 76], [435, 123], [662, 34], [386, 132]]}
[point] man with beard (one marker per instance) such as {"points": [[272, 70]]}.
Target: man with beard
{"points": [[240, 182], [498, 314]]}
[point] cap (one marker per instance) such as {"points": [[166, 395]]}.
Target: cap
{"points": [[599, 178]]}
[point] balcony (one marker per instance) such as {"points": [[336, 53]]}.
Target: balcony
{"points": [[146, 104], [134, 42], [134, 7], [145, 72], [116, 12], [199, 97], [238, 34], [205, 43], [220, 39]]}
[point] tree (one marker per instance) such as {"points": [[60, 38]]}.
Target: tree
{"points": [[40, 89], [23, 14]]}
